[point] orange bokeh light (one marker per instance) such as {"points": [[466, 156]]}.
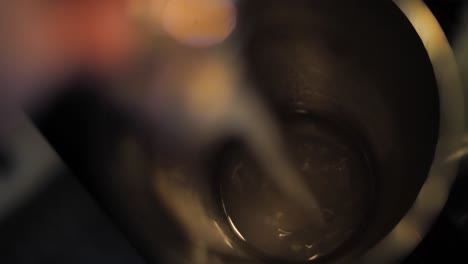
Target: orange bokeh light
{"points": [[199, 22]]}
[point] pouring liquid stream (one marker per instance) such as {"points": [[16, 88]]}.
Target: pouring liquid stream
{"points": [[258, 129]]}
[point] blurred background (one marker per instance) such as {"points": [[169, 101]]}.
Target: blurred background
{"points": [[58, 221]]}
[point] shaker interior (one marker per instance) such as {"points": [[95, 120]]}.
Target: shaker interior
{"points": [[337, 169]]}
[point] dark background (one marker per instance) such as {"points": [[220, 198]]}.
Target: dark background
{"points": [[63, 224]]}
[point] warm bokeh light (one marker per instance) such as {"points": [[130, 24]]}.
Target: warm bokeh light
{"points": [[210, 88], [99, 31], [199, 22]]}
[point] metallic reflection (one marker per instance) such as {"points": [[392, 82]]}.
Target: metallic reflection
{"points": [[234, 228], [433, 195], [183, 199]]}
